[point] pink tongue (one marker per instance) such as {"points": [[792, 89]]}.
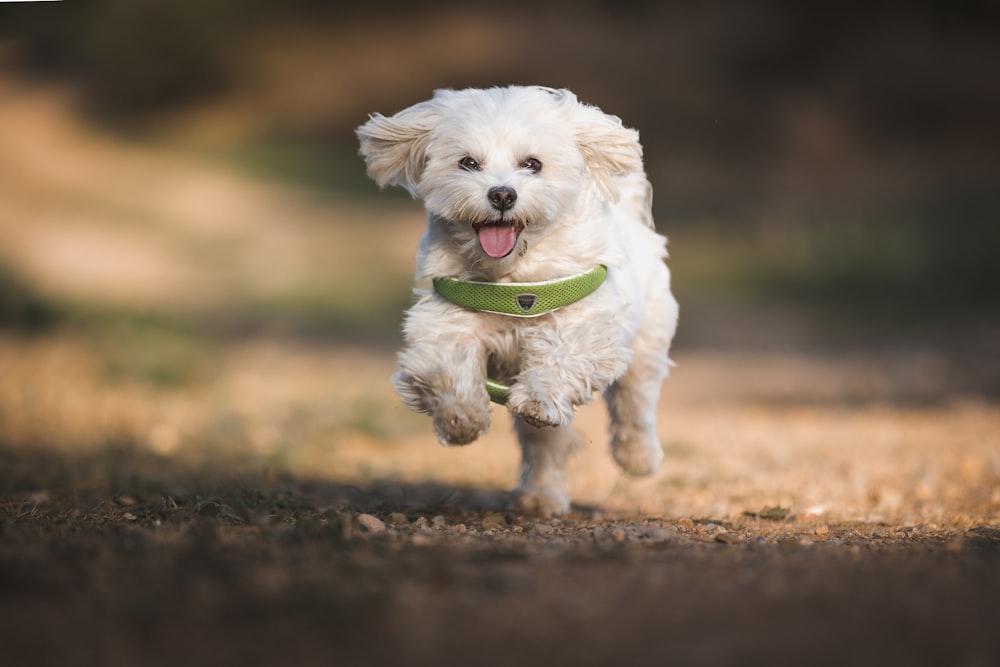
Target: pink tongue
{"points": [[497, 240]]}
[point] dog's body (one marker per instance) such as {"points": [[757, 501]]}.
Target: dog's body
{"points": [[526, 184]]}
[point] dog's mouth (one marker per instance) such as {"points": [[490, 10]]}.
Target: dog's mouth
{"points": [[498, 238]]}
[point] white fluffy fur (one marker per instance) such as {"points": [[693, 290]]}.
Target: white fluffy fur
{"points": [[589, 204]]}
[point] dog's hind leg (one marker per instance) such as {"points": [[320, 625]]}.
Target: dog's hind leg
{"points": [[635, 444], [632, 402], [633, 398], [544, 452]]}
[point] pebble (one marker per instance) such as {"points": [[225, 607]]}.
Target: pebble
{"points": [[685, 523], [618, 534], [421, 523], [439, 521], [494, 522], [725, 537], [653, 533], [822, 530], [371, 523]]}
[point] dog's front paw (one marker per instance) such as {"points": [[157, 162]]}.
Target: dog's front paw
{"points": [[460, 417], [545, 501], [459, 423], [538, 411]]}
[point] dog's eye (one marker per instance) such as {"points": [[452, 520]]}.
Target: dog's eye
{"points": [[532, 165], [469, 164]]}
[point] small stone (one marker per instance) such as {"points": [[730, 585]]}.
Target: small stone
{"points": [[656, 534], [398, 519], [461, 529], [685, 523], [725, 537], [439, 521], [421, 523], [618, 534], [494, 522], [822, 530], [371, 523]]}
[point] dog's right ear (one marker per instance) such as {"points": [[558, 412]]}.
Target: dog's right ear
{"points": [[395, 148]]}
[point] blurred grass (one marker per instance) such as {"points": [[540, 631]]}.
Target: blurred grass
{"points": [[907, 271], [22, 309], [325, 166], [757, 118]]}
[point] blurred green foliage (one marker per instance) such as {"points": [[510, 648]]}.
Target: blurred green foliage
{"points": [[328, 167], [136, 57], [872, 128], [21, 308]]}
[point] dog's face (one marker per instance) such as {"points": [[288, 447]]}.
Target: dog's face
{"points": [[501, 164]]}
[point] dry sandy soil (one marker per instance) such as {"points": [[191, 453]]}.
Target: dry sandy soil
{"points": [[286, 511], [273, 504]]}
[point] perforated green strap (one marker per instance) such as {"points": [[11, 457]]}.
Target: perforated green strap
{"points": [[498, 391], [521, 299]]}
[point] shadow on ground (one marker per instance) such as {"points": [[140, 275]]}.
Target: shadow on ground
{"points": [[121, 557]]}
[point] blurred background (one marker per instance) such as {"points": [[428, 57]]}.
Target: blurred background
{"points": [[177, 178]]}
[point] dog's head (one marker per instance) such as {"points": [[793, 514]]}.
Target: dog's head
{"points": [[499, 163]]}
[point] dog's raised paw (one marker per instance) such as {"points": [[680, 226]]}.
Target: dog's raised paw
{"points": [[533, 416], [538, 413], [459, 427]]}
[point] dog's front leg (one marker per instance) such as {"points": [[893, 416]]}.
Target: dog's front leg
{"points": [[442, 372], [561, 368]]}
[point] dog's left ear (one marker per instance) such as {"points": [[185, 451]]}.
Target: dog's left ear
{"points": [[395, 148], [609, 148]]}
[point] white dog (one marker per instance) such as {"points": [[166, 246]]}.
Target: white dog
{"points": [[529, 193]]}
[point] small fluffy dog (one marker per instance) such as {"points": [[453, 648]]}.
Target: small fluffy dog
{"points": [[528, 187]]}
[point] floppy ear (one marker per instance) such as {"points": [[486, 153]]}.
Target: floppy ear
{"points": [[609, 148], [394, 148]]}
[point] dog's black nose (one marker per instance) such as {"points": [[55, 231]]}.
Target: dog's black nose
{"points": [[502, 197]]}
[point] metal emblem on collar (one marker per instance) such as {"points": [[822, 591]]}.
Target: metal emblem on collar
{"points": [[526, 301]]}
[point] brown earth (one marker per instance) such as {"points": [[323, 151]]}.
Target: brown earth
{"points": [[270, 515]]}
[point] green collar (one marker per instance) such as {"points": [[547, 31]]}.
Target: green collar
{"points": [[521, 299]]}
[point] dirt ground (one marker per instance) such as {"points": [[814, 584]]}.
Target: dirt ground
{"points": [[256, 518], [264, 499]]}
